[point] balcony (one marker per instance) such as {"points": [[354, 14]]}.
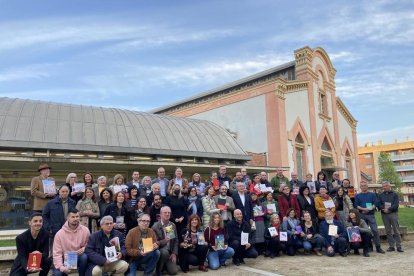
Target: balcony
{"points": [[398, 157], [409, 178], [404, 168]]}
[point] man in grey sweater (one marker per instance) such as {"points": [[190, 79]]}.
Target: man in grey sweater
{"points": [[388, 204]]}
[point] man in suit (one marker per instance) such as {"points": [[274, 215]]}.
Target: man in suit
{"points": [[242, 201], [33, 240], [168, 243], [40, 198]]}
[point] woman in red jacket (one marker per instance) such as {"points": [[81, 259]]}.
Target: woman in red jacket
{"points": [[287, 200]]}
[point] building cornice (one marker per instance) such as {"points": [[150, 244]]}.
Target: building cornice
{"points": [[345, 112]]}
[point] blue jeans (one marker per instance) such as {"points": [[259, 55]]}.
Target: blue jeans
{"points": [[218, 258], [315, 243], [150, 260], [82, 265]]}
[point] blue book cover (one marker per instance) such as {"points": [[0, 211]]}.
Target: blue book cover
{"points": [[220, 242]]}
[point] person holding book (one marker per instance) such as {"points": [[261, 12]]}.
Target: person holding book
{"points": [[194, 202], [119, 185], [117, 210], [278, 180], [310, 235], [272, 237], [135, 212], [168, 243], [291, 225], [239, 231], [155, 209], [142, 247], [99, 188], [323, 202], [295, 183], [225, 203], [310, 183], [219, 252], [209, 205], [334, 185], [307, 202], [264, 179], [69, 246], [287, 200], [321, 180], [342, 205], [32, 249], [356, 226], [366, 202], [198, 184], [145, 187], [214, 182], [335, 235], [180, 181], [106, 238], [388, 204], [56, 211], [71, 180], [349, 189], [259, 214], [193, 248], [41, 196], [88, 210], [271, 207], [178, 204], [106, 198]]}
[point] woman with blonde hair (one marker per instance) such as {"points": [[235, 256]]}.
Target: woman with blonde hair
{"points": [[119, 184], [198, 184], [88, 210]]}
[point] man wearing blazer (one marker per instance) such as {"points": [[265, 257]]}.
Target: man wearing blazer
{"points": [[168, 243], [242, 201]]}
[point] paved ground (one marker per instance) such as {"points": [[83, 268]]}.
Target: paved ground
{"points": [[394, 264]]}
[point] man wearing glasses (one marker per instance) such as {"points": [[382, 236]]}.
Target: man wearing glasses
{"points": [[225, 204], [136, 249]]}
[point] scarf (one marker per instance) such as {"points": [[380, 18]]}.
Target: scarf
{"points": [[192, 199]]}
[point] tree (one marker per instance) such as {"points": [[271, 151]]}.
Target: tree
{"points": [[387, 171]]}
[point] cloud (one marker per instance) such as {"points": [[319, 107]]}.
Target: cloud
{"points": [[387, 136], [19, 74]]}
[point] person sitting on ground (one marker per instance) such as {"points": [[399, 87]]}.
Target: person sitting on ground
{"points": [[355, 221], [310, 235], [291, 225], [235, 228], [273, 243], [33, 240], [335, 243]]}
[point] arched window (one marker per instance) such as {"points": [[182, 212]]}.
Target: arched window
{"points": [[300, 157]]}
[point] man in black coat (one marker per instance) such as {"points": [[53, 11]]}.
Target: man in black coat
{"points": [[242, 201], [33, 240]]}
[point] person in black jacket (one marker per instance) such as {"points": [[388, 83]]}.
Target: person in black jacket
{"points": [[155, 210], [307, 202], [178, 206], [234, 230], [33, 240], [118, 211], [242, 202]]}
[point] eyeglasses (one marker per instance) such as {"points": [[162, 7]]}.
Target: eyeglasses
{"points": [[142, 201], [145, 221]]}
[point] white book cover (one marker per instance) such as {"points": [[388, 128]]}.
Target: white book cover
{"points": [[283, 236], [110, 253], [329, 204], [333, 230], [244, 238], [273, 231]]}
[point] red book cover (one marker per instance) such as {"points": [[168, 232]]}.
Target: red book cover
{"points": [[34, 260], [216, 184]]}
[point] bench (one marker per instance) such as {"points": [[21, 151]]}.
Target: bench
{"points": [[403, 231]]}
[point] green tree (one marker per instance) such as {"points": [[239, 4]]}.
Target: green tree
{"points": [[387, 171]]}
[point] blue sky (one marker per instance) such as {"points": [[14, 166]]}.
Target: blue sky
{"points": [[144, 54]]}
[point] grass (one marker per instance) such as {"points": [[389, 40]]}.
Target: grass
{"points": [[405, 217], [4, 243]]}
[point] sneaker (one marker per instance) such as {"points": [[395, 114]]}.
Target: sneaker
{"points": [[399, 249], [379, 250], [390, 249]]}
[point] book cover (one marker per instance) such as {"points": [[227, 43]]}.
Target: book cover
{"points": [[226, 183], [271, 207], [119, 221], [169, 232], [34, 260], [354, 235], [221, 203], [244, 238], [298, 229], [263, 188], [216, 184], [351, 192], [312, 187], [110, 253], [115, 242], [368, 205], [329, 204], [71, 260], [78, 187], [257, 211], [333, 230], [220, 242], [283, 236], [147, 245], [49, 186], [200, 238], [273, 231], [387, 205]]}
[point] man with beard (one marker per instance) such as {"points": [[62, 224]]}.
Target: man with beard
{"points": [[225, 204], [33, 240], [72, 237], [155, 209]]}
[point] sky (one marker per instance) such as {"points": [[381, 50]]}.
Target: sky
{"points": [[139, 55]]}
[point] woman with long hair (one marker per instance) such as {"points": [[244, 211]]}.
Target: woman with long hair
{"points": [[307, 202], [355, 221], [310, 235], [342, 205], [198, 184], [273, 243], [88, 210], [209, 205], [118, 212], [178, 206], [291, 225], [106, 196]]}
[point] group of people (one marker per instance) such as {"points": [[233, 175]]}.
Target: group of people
{"points": [[157, 225]]}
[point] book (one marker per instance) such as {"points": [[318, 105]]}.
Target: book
{"points": [[387, 205], [115, 242], [147, 245], [110, 253], [283, 236], [312, 187], [295, 190], [351, 192], [354, 235], [257, 211], [329, 204], [49, 186], [34, 261], [333, 230], [78, 187], [70, 260], [200, 238], [169, 232], [216, 184], [271, 207], [323, 183], [244, 239], [226, 183], [263, 188], [219, 241], [273, 231], [221, 203], [368, 205], [298, 229], [119, 220]]}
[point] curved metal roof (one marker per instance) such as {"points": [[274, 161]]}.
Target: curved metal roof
{"points": [[47, 125]]}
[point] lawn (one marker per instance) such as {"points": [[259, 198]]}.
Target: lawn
{"points": [[4, 243], [405, 215]]}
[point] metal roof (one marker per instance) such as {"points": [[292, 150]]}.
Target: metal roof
{"points": [[290, 64], [47, 125]]}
